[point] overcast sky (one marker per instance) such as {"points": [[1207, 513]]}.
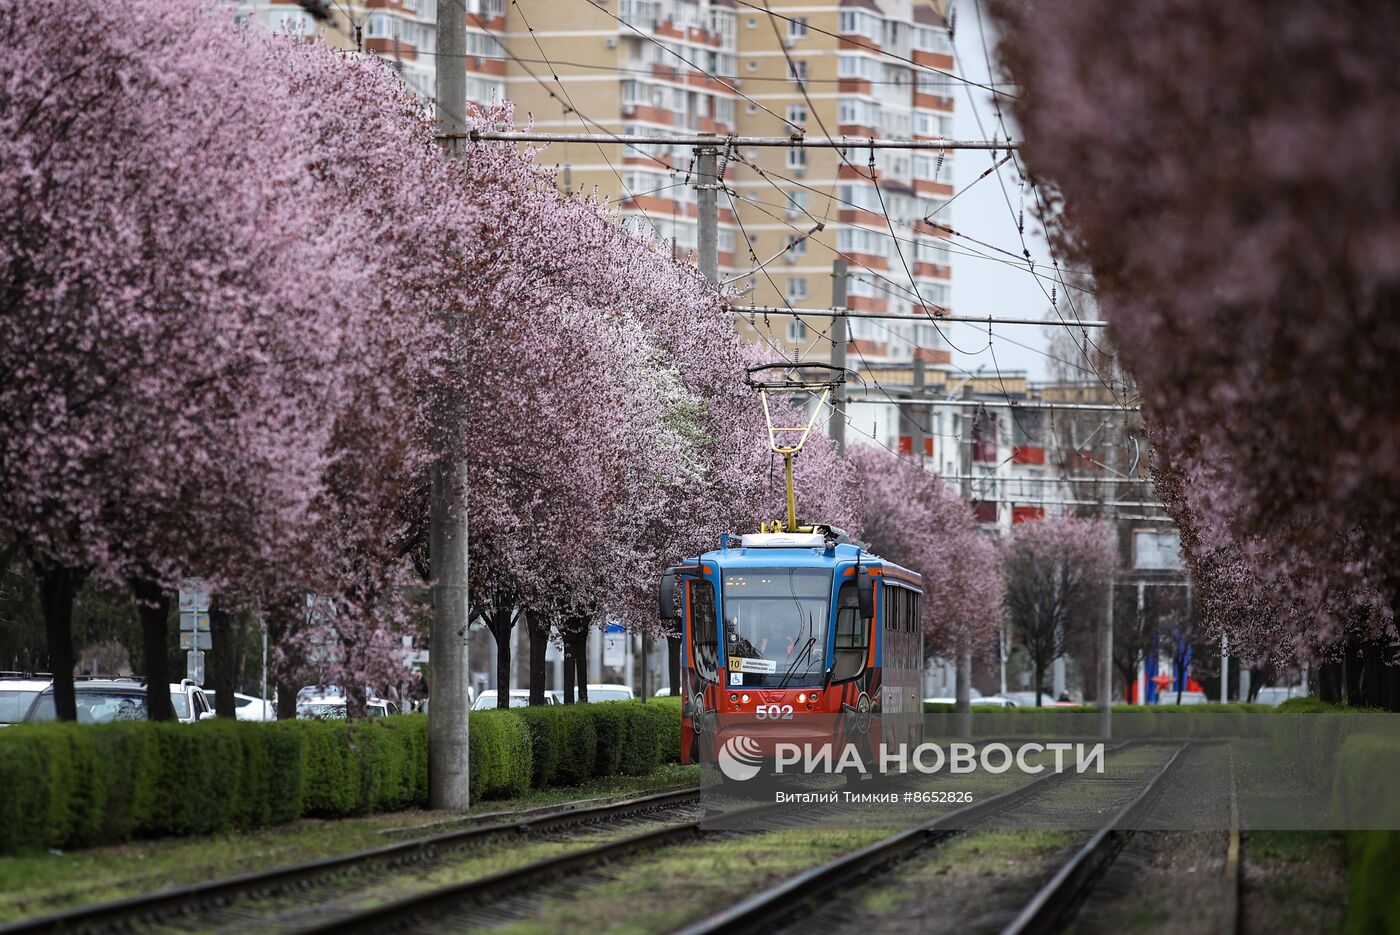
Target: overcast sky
{"points": [[983, 286]]}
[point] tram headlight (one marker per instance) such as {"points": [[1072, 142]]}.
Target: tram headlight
{"points": [[744, 699], [801, 697], [733, 698]]}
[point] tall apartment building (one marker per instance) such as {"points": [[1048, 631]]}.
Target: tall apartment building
{"points": [[656, 67]]}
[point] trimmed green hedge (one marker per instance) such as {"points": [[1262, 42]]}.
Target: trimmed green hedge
{"points": [[1363, 793], [1373, 866], [74, 785]]}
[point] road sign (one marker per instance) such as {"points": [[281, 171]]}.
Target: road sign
{"points": [[615, 646], [194, 666], [194, 595], [194, 620], [192, 640]]}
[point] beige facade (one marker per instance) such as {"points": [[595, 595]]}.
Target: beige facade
{"points": [[653, 67]]}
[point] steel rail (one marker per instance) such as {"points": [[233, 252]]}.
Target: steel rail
{"points": [[1050, 907], [405, 912], [764, 907], [1231, 915], [151, 906]]}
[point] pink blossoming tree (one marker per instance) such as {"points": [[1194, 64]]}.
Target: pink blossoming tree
{"points": [[1238, 200], [915, 518], [1056, 569]]}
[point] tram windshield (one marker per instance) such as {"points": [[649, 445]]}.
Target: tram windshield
{"points": [[775, 622]]}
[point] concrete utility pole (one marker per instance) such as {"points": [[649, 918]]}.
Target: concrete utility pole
{"points": [[707, 211], [919, 416], [1142, 663], [1224, 670], [963, 686], [449, 785], [840, 276], [962, 707], [1106, 645]]}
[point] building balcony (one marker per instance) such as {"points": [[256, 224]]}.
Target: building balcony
{"points": [[906, 445], [1023, 514]]}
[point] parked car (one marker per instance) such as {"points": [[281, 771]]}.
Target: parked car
{"points": [[99, 701], [247, 707], [662, 693], [17, 696], [519, 698], [1276, 695], [332, 707], [610, 693], [986, 700], [191, 704], [1027, 699]]}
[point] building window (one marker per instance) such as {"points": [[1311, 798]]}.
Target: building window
{"points": [[751, 65], [796, 332], [797, 201], [753, 21], [797, 27], [379, 26], [932, 39], [860, 23], [292, 23], [856, 65], [752, 108], [796, 288], [797, 113], [797, 245], [797, 158], [797, 71]]}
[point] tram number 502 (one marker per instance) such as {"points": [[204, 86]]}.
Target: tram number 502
{"points": [[773, 712]]}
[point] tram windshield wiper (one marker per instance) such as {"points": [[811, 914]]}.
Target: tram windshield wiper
{"points": [[806, 648]]}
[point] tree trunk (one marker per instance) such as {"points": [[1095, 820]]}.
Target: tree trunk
{"points": [[581, 657], [356, 701], [222, 658], [501, 621], [570, 669], [537, 626], [286, 700], [673, 664], [1039, 671], [57, 588], [153, 604]]}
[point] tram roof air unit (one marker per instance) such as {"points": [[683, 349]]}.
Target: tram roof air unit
{"points": [[783, 540]]}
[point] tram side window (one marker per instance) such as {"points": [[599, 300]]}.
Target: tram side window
{"points": [[913, 626], [703, 631], [852, 636]]}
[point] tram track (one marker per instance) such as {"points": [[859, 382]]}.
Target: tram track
{"points": [[213, 898], [1055, 902], [773, 907], [513, 895], [508, 896]]}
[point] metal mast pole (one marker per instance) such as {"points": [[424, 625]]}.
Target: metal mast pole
{"points": [[448, 778], [839, 277]]}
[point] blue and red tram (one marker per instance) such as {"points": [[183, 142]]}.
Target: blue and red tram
{"points": [[799, 636]]}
